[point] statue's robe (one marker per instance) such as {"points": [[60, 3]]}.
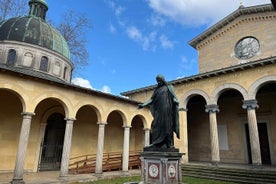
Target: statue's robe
{"points": [[164, 109]]}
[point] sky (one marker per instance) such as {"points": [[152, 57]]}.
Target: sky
{"points": [[130, 42]]}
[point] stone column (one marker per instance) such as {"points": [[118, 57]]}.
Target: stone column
{"points": [[147, 136], [22, 148], [183, 134], [66, 148], [212, 110], [100, 146], [251, 105], [126, 148]]}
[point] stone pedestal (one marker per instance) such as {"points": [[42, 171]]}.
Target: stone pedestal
{"points": [[161, 167]]}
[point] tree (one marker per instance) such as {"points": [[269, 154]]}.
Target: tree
{"points": [[73, 29], [12, 8]]}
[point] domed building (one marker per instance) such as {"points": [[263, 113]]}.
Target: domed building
{"points": [[30, 45]]}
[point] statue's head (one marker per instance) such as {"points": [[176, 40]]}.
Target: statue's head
{"points": [[160, 80]]}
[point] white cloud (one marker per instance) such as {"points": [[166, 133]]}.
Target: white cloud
{"points": [[112, 29], [165, 42], [106, 89], [157, 20], [82, 82], [195, 12], [187, 67], [85, 83], [134, 33]]}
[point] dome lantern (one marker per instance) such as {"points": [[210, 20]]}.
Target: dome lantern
{"points": [[38, 8]]}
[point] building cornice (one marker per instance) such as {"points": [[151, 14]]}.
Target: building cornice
{"points": [[22, 72], [229, 19], [214, 73]]}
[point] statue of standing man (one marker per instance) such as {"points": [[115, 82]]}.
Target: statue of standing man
{"points": [[164, 109]]}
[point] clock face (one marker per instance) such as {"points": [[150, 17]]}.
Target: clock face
{"points": [[247, 48]]}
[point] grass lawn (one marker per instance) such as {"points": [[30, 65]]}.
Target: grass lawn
{"points": [[187, 180]]}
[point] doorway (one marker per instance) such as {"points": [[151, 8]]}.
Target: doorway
{"points": [[52, 145], [264, 143]]}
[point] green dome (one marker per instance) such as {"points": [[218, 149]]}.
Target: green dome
{"points": [[35, 31]]}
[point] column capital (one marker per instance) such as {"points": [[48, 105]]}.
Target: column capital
{"points": [[250, 104], [212, 108], [183, 109], [127, 126], [27, 113], [70, 119], [146, 129], [102, 123]]}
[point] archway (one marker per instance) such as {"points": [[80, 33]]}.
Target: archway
{"points": [[10, 125], [198, 130], [114, 136], [52, 146], [137, 134], [266, 119], [230, 122]]}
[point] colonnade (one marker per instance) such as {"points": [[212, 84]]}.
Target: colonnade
{"points": [[212, 109], [23, 143]]}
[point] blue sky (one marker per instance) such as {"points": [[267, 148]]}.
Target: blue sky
{"points": [[131, 41]]}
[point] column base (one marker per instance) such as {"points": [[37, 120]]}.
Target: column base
{"points": [[17, 181], [63, 178], [215, 163], [256, 166]]}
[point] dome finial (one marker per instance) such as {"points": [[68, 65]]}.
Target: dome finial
{"points": [[38, 8], [241, 4]]}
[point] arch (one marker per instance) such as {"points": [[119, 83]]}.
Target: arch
{"points": [[216, 93], [44, 64], [93, 106], [185, 98], [11, 57], [98, 114], [60, 98], [253, 89], [123, 116], [143, 119], [20, 96]]}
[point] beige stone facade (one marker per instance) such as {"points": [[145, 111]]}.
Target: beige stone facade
{"points": [[229, 108]]}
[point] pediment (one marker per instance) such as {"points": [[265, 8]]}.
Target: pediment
{"points": [[223, 26]]}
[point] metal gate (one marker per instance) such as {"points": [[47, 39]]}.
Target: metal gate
{"points": [[50, 157], [52, 145]]}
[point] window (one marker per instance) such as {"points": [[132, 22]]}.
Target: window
{"points": [[11, 57], [44, 64], [64, 72]]}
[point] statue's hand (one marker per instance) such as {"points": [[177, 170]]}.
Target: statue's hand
{"points": [[140, 106], [175, 101]]}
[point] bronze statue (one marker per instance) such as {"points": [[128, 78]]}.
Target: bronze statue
{"points": [[164, 109]]}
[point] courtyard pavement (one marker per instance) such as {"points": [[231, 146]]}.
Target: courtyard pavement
{"points": [[53, 177]]}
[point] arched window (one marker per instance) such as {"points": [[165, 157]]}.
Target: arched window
{"points": [[11, 57], [28, 59], [44, 64], [64, 72]]}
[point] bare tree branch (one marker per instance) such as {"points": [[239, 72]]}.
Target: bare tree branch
{"points": [[12, 8], [73, 28]]}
